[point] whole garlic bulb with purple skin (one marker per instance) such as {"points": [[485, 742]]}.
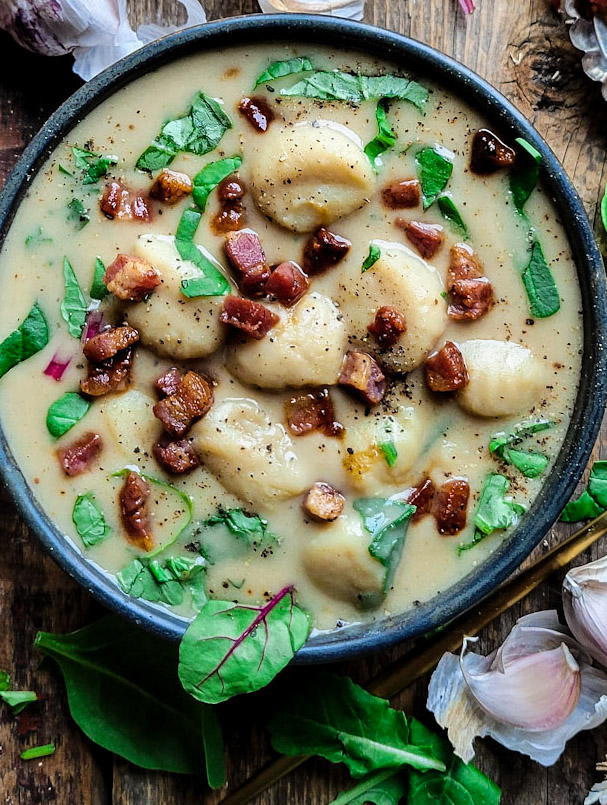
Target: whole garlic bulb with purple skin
{"points": [[585, 605]]}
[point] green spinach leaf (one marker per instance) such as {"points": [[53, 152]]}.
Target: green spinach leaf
{"points": [[389, 452], [36, 238], [65, 412], [167, 582], [450, 213], [335, 85], [584, 508], [539, 283], [17, 700], [77, 213], [387, 521], [209, 177], [434, 168], [231, 648], [385, 787], [279, 69], [525, 174], [211, 282], [530, 463], [73, 306], [198, 132], [30, 337], [331, 716], [38, 751], [92, 165], [98, 288], [250, 528], [385, 137], [89, 520], [494, 511], [604, 210], [124, 694], [5, 680], [371, 258], [597, 483]]}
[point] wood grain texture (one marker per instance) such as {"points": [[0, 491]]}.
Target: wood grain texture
{"points": [[523, 49]]}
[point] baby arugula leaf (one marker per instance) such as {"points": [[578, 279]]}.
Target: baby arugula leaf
{"points": [[124, 694], [381, 788], [331, 716], [231, 648], [525, 174], [209, 177], [30, 337], [387, 521], [458, 784], [211, 281], [65, 412], [539, 283], [385, 137], [73, 306], [434, 168], [335, 85], [89, 520], [279, 69]]}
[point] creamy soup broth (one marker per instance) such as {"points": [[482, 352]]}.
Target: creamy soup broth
{"points": [[446, 441]]}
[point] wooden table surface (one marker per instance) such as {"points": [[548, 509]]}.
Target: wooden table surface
{"points": [[522, 48]]}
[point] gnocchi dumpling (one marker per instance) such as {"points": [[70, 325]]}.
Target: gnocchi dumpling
{"points": [[252, 458], [131, 421], [168, 322], [384, 449], [305, 348], [338, 562], [401, 280], [505, 378], [307, 175]]}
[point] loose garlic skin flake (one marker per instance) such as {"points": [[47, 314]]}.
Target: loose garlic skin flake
{"points": [[310, 174]]}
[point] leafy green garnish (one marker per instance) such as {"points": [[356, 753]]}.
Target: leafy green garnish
{"points": [[93, 166], [387, 787], [73, 305], [539, 283], [211, 282], [231, 648], [124, 694], [197, 132], [389, 451], [279, 69], [77, 213], [371, 258], [387, 521], [38, 751], [167, 582], [5, 680], [494, 511], [385, 137], [36, 238], [30, 337], [593, 501], [531, 464], [434, 168], [525, 174], [209, 177], [339, 86], [65, 412], [98, 288], [604, 210], [251, 528], [17, 700], [330, 716], [450, 213], [88, 518]]}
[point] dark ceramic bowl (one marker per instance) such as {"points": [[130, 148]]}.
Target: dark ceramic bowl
{"points": [[423, 62]]}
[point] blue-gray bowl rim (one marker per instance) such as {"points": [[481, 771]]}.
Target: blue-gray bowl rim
{"points": [[422, 62]]}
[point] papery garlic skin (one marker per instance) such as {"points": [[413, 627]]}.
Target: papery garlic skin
{"points": [[350, 9], [585, 605], [456, 709], [597, 794]]}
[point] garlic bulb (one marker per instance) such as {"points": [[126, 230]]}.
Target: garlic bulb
{"points": [[98, 33], [585, 604], [532, 695]]}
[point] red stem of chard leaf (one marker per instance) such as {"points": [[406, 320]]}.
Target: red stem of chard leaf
{"points": [[467, 6], [57, 366], [263, 613]]}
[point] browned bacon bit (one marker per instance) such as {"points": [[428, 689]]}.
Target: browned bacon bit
{"points": [[257, 111], [446, 370], [450, 506], [130, 278], [110, 375], [247, 257], [134, 509], [168, 382], [191, 400], [402, 195], [324, 250], [427, 238], [171, 186], [421, 496], [231, 215], [287, 283], [489, 153], [323, 503], [251, 317], [313, 411], [470, 292], [77, 457], [107, 343], [388, 326], [176, 457], [119, 202], [361, 373]]}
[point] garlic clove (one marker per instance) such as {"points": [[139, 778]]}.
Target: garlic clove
{"points": [[597, 794], [585, 605]]}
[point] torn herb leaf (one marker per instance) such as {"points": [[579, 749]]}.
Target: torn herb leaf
{"points": [[539, 283], [336, 85], [450, 213], [387, 521], [89, 520], [597, 483], [210, 176], [385, 137], [211, 282], [65, 412], [73, 305], [371, 258], [495, 511], [92, 165], [530, 463], [37, 238], [251, 528], [98, 288], [30, 337], [584, 508], [525, 174], [77, 213], [604, 210], [280, 69], [389, 451], [434, 169]]}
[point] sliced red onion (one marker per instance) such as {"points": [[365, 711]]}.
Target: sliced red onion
{"points": [[57, 366], [94, 324]]}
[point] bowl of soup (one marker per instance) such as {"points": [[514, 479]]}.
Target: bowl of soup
{"points": [[295, 301]]}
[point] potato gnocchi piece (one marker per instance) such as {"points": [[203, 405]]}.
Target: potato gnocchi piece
{"points": [[253, 458], [367, 467], [304, 349], [307, 175], [338, 562], [131, 422], [168, 322], [403, 281], [505, 378]]}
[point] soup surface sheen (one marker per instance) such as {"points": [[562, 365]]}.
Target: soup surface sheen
{"points": [[250, 459]]}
